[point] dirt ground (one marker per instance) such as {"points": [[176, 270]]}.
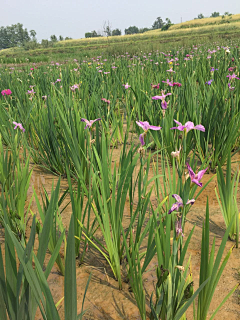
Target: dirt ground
{"points": [[105, 301]]}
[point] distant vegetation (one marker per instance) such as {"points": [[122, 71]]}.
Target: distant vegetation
{"points": [[18, 36], [23, 45]]}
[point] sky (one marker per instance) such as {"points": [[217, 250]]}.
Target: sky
{"points": [[73, 18]]}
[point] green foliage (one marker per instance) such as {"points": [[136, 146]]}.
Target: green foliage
{"points": [[131, 30], [104, 187], [215, 14], [25, 289], [158, 23], [200, 16], [142, 30], [30, 45], [53, 38], [45, 43], [228, 196], [15, 178], [13, 36], [92, 34], [116, 32], [212, 270], [57, 230]]}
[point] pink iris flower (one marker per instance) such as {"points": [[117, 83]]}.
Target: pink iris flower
{"points": [[31, 91], [105, 100], [188, 126], [89, 123], [155, 86], [169, 83], [19, 125], [177, 84], [171, 70], [233, 76], [195, 178], [179, 203], [145, 126], [74, 87], [6, 92], [126, 86]]}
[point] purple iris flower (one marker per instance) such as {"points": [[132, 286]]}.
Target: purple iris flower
{"points": [[145, 126], [209, 82], [179, 203], [19, 125], [89, 123], [195, 178], [178, 227], [212, 70], [188, 126], [162, 97], [230, 87]]}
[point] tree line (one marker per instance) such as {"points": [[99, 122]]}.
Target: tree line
{"points": [[108, 31], [158, 24], [18, 36], [214, 15]]}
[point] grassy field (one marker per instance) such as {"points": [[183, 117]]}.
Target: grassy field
{"points": [[207, 22], [117, 177], [187, 33]]}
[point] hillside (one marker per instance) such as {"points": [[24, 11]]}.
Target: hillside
{"points": [[189, 32]]}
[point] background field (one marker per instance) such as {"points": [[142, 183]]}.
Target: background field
{"points": [[187, 33]]}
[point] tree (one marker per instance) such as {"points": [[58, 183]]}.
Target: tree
{"points": [[68, 38], [13, 36], [142, 30], [33, 34], [200, 16], [92, 34], [53, 38], [132, 30], [88, 35], [45, 43], [215, 14], [158, 23], [107, 29], [31, 45], [116, 32], [167, 24], [168, 21], [60, 38]]}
